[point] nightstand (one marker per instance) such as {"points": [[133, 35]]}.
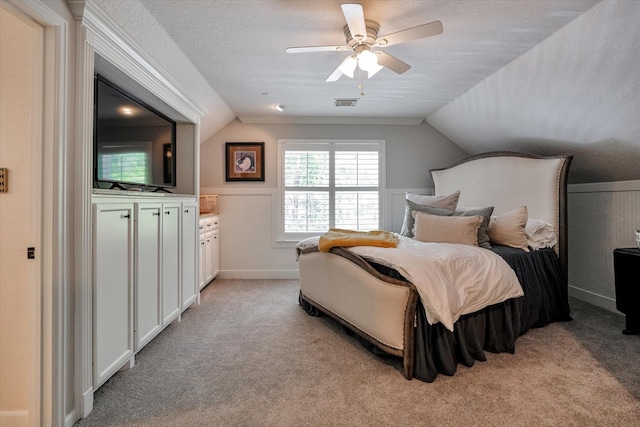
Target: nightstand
{"points": [[626, 264]]}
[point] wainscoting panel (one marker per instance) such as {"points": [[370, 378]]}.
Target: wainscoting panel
{"points": [[602, 217]]}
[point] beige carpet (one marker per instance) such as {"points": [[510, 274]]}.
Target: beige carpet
{"points": [[249, 356]]}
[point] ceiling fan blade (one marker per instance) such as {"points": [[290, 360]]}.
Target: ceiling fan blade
{"points": [[392, 63], [307, 49], [335, 75], [343, 66], [354, 15], [421, 31]]}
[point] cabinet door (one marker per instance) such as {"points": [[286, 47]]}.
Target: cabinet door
{"points": [[170, 261], [208, 257], [189, 253], [215, 254], [201, 261], [148, 316], [112, 289]]}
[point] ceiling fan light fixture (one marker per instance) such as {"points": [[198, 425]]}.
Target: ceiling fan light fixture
{"points": [[368, 61], [348, 66], [361, 35], [373, 70]]}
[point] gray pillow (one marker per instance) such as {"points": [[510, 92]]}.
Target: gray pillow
{"points": [[483, 231], [448, 201], [409, 221]]}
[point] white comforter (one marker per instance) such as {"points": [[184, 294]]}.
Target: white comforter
{"points": [[452, 279]]}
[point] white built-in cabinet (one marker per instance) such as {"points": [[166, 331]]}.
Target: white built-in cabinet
{"points": [[145, 270], [148, 253], [209, 253], [171, 261], [113, 298], [189, 267]]}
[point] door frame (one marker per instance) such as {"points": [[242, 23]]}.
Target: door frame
{"points": [[56, 244]]}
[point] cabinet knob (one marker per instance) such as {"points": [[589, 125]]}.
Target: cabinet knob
{"points": [[167, 212], [186, 211], [155, 213], [125, 216]]}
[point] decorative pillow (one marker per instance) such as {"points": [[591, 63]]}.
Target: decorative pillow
{"points": [[508, 229], [448, 202], [483, 231], [407, 225], [540, 234], [447, 229]]}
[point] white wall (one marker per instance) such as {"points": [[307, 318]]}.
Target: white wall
{"points": [[247, 247], [602, 217], [21, 58]]}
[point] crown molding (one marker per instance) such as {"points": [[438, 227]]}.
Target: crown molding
{"points": [[274, 119]]}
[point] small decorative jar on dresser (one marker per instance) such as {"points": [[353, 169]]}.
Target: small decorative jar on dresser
{"points": [[626, 264]]}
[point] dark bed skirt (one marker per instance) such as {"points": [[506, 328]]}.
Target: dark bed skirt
{"points": [[439, 351], [494, 329]]}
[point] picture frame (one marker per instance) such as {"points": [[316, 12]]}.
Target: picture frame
{"points": [[244, 161]]}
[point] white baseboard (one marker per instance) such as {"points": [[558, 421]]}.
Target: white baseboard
{"points": [[71, 418], [259, 274], [87, 403], [593, 298], [16, 418]]}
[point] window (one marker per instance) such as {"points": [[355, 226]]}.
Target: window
{"points": [[327, 184]]}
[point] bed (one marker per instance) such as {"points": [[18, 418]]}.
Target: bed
{"points": [[376, 302]]}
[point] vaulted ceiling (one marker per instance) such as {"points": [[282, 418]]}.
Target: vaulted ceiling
{"points": [[546, 76], [239, 47]]}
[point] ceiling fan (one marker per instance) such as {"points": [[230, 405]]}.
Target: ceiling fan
{"points": [[362, 37]]}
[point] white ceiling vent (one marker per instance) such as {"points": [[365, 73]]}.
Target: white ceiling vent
{"points": [[346, 102]]}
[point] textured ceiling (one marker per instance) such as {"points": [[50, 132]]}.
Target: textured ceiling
{"points": [[239, 48], [577, 92]]}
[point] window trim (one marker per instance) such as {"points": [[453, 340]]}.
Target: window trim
{"points": [[287, 239]]}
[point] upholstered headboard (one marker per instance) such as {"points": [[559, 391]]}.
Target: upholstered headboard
{"points": [[508, 180]]}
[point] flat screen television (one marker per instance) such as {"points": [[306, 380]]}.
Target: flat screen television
{"points": [[134, 144]]}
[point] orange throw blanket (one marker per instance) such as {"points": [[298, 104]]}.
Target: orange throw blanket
{"points": [[337, 237]]}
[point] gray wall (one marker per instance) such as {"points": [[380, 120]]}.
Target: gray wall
{"points": [[247, 245]]}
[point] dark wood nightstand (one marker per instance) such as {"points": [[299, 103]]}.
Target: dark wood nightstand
{"points": [[626, 264]]}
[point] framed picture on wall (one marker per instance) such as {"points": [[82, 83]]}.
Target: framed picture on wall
{"points": [[244, 161]]}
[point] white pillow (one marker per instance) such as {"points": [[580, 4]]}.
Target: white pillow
{"points": [[508, 229], [540, 234], [446, 229]]}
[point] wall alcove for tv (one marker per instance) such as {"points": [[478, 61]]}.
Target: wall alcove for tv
{"points": [[175, 177]]}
